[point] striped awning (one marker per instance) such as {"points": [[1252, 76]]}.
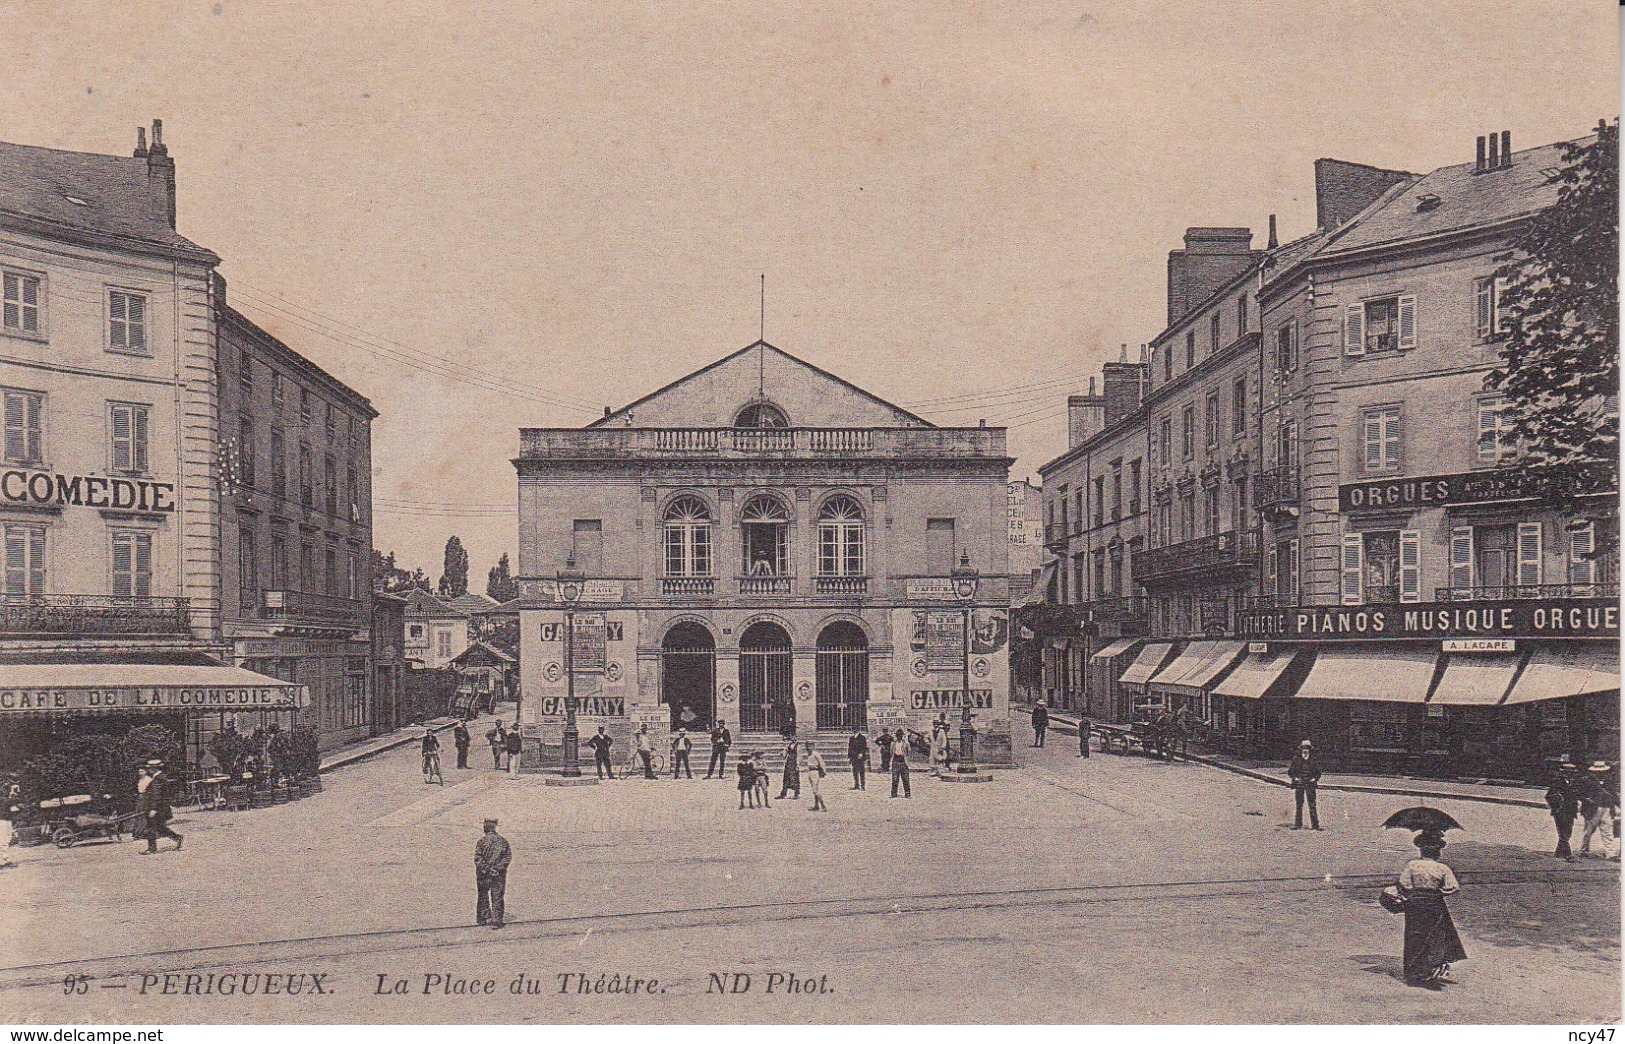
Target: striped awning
{"points": [[1145, 665], [1558, 671], [1476, 679], [1116, 649], [1255, 674]]}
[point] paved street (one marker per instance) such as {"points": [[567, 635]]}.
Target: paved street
{"points": [[1108, 890]]}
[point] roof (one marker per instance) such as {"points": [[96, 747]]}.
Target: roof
{"points": [[1467, 200], [473, 603], [119, 199], [621, 415], [422, 603], [483, 651]]}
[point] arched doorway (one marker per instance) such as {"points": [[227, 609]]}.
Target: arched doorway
{"points": [[843, 677], [688, 672], [765, 701]]}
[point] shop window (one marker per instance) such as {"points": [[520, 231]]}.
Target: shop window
{"points": [[25, 561], [1377, 728], [132, 564], [126, 322], [129, 424], [25, 427], [21, 302]]}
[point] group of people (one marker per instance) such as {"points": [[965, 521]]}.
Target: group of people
{"points": [[1593, 796], [504, 745], [755, 779]]}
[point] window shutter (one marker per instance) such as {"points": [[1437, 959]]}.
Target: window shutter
{"points": [[34, 405], [1353, 586], [1484, 312], [1407, 321], [16, 432], [1292, 568], [122, 586], [137, 319], [1354, 330], [1461, 556], [138, 439], [1271, 568], [1497, 310], [1373, 441], [1582, 542], [1529, 553], [16, 561], [122, 456], [1392, 431], [1410, 565]]}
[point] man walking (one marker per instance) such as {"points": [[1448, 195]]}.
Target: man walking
{"points": [[721, 740], [460, 737], [1563, 803], [815, 778], [600, 744], [681, 747], [899, 764], [499, 743], [1304, 772], [857, 753], [152, 791], [1596, 807], [1085, 727], [491, 858], [646, 751], [513, 747], [1040, 722]]}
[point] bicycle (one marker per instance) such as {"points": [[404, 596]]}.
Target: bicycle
{"points": [[431, 768], [633, 765]]}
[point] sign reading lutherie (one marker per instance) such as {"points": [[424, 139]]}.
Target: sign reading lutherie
{"points": [[47, 489]]}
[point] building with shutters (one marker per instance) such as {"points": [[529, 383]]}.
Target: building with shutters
{"points": [[296, 525], [766, 545], [110, 597]]}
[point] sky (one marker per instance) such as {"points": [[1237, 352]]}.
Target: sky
{"points": [[549, 208]]}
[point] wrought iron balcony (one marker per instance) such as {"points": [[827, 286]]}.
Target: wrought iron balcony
{"points": [[850, 586], [766, 585], [1277, 488], [1221, 552], [1124, 609], [298, 607], [688, 586], [1519, 592], [93, 615], [1055, 535]]}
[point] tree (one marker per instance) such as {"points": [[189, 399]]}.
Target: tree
{"points": [[500, 584], [454, 575], [389, 578], [1560, 313]]}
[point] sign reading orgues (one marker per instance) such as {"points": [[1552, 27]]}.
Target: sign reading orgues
{"points": [[1473, 487]]}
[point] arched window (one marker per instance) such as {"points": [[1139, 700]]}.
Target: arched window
{"points": [[688, 537], [840, 538], [761, 415], [765, 526]]}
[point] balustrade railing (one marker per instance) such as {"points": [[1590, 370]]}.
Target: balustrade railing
{"points": [[688, 586], [303, 607], [1235, 549], [1520, 592], [766, 585], [92, 615], [841, 585]]}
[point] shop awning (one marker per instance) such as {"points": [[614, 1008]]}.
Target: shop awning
{"points": [[90, 688], [1255, 674], [1185, 664], [1475, 679], [1116, 649], [1223, 655], [1040, 589], [1146, 664], [1557, 672], [1385, 675]]}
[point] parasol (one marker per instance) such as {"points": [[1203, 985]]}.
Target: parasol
{"points": [[1421, 817]]}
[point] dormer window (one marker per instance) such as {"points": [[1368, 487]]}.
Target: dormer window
{"points": [[761, 415]]}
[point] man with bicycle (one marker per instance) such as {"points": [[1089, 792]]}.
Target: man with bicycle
{"points": [[431, 758]]}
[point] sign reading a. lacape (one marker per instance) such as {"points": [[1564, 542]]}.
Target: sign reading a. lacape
{"points": [[1543, 618], [149, 697], [47, 489], [1473, 487]]}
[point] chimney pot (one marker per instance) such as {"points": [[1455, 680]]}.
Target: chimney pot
{"points": [[1495, 152], [1273, 240], [1506, 148], [1122, 352], [140, 142], [157, 134], [1091, 387], [1480, 164], [606, 411]]}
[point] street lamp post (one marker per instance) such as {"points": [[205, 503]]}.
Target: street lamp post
{"points": [[572, 584], [965, 581]]}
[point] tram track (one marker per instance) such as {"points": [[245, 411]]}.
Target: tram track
{"points": [[350, 944]]}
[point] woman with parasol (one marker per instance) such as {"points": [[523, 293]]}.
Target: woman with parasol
{"points": [[1431, 942]]}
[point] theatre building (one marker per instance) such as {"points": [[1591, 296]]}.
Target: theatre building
{"points": [[763, 544], [109, 596]]}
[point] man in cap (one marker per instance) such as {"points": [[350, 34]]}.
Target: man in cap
{"points": [[1040, 722], [600, 744], [1563, 802], [152, 795], [681, 747], [1596, 806], [491, 858], [1304, 772]]}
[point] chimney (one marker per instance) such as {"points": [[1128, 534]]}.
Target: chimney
{"points": [[1506, 148], [1478, 168], [1122, 383], [1495, 152], [1343, 189], [161, 172], [1274, 241], [1122, 352], [1085, 415], [1211, 258], [606, 411], [141, 143]]}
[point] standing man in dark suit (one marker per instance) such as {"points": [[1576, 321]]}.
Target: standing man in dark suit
{"points": [[513, 746], [681, 747], [1304, 772], [460, 737], [721, 740], [857, 752], [1040, 722], [600, 744], [152, 793], [491, 858], [899, 764], [1085, 727], [1564, 803]]}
